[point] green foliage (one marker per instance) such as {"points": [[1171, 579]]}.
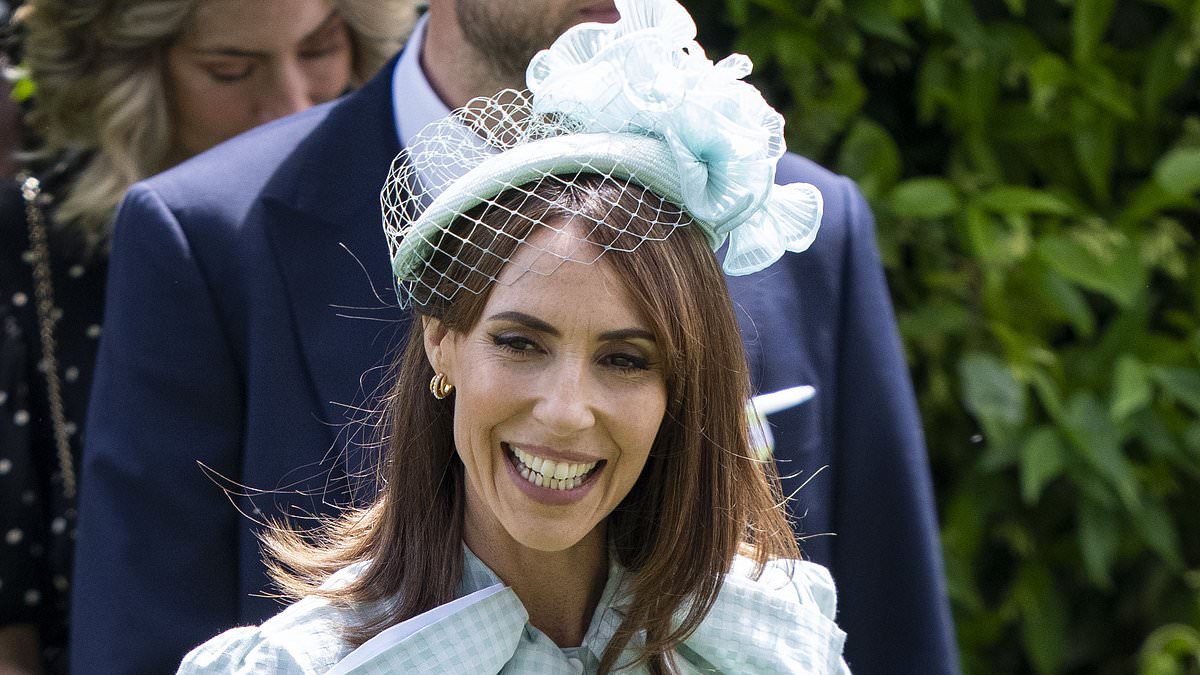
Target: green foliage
{"points": [[1035, 171]]}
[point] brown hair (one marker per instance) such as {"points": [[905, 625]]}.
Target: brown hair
{"points": [[702, 497]]}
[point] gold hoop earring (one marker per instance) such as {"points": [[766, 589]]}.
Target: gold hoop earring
{"points": [[439, 387]]}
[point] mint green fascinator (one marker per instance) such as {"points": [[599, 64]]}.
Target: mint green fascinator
{"points": [[637, 101]]}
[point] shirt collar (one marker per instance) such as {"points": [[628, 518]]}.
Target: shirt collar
{"points": [[414, 102]]}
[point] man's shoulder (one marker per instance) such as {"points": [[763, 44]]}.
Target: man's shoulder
{"points": [[232, 174]]}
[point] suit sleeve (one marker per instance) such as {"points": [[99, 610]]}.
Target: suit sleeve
{"points": [[155, 572], [887, 554]]}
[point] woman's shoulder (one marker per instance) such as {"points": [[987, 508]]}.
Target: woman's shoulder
{"points": [[776, 620], [805, 583], [303, 639]]}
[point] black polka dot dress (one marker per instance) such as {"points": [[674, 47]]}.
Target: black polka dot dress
{"points": [[37, 517]]}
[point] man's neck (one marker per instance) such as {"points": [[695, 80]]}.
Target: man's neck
{"points": [[456, 70]]}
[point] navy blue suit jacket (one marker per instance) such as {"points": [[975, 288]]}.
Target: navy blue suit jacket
{"points": [[242, 314]]}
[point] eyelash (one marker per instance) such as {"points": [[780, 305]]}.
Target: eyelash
{"points": [[245, 73], [509, 344], [230, 79]]}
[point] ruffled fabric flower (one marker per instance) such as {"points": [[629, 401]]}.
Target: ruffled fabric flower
{"points": [[646, 75]]}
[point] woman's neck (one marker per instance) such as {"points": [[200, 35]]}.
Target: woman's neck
{"points": [[559, 589]]}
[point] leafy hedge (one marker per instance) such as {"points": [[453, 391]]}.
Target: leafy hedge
{"points": [[1035, 168]]}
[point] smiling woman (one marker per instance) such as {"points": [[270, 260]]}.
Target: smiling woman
{"points": [[567, 484]]}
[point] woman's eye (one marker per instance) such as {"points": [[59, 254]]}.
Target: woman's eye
{"points": [[515, 344], [627, 362], [227, 74]]}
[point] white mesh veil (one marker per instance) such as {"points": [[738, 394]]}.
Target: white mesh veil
{"points": [[633, 105], [455, 211]]}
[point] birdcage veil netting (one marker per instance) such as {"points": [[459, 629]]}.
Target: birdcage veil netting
{"points": [[455, 212]]}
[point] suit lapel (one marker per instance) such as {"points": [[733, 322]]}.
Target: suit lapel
{"points": [[323, 221]]}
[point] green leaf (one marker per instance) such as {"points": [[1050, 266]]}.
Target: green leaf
{"points": [[993, 396], [875, 18], [924, 198], [1070, 301], [1019, 199], [870, 157], [1047, 76], [1160, 533], [1168, 649], [1164, 73], [1043, 617], [1041, 459], [1182, 383], [1094, 138], [1112, 269], [1105, 89], [1089, 23], [1131, 388], [1178, 172], [933, 11], [1099, 537], [1095, 439]]}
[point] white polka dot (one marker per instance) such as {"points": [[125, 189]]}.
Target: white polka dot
{"points": [[93, 331], [76, 271], [28, 257], [58, 525], [71, 374], [21, 418], [13, 537], [27, 497], [3, 397], [70, 428], [5, 466], [56, 313], [43, 366], [61, 583], [32, 597], [19, 299]]}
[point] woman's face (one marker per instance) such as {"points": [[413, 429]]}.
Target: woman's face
{"points": [[245, 62], [559, 394]]}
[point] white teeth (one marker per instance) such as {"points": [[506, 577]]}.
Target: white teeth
{"points": [[549, 473]]}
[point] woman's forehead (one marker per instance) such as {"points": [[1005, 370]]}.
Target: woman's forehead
{"points": [[567, 283]]}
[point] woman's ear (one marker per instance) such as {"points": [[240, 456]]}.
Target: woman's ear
{"points": [[437, 344]]}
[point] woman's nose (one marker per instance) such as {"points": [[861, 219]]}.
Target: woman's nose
{"points": [[566, 403], [288, 93]]}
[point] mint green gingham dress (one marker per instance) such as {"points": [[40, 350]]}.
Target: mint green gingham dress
{"points": [[781, 622]]}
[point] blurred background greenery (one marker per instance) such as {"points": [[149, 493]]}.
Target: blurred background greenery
{"points": [[1035, 170]]}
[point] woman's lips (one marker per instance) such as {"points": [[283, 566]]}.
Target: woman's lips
{"points": [[550, 481]]}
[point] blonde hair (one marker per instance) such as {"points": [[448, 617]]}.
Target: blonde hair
{"points": [[99, 65]]}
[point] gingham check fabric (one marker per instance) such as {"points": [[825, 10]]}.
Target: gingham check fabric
{"points": [[781, 622]]}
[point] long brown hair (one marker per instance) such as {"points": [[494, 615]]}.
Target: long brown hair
{"points": [[702, 498]]}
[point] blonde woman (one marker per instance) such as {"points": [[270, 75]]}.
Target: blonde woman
{"points": [[124, 90]]}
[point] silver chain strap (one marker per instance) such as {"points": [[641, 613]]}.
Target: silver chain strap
{"points": [[44, 295]]}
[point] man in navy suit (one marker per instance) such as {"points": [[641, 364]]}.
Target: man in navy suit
{"points": [[244, 309]]}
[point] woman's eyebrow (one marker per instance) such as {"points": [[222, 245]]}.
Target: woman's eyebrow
{"points": [[628, 334], [534, 323], [531, 322]]}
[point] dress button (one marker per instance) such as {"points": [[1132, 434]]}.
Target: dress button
{"points": [[576, 664]]}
